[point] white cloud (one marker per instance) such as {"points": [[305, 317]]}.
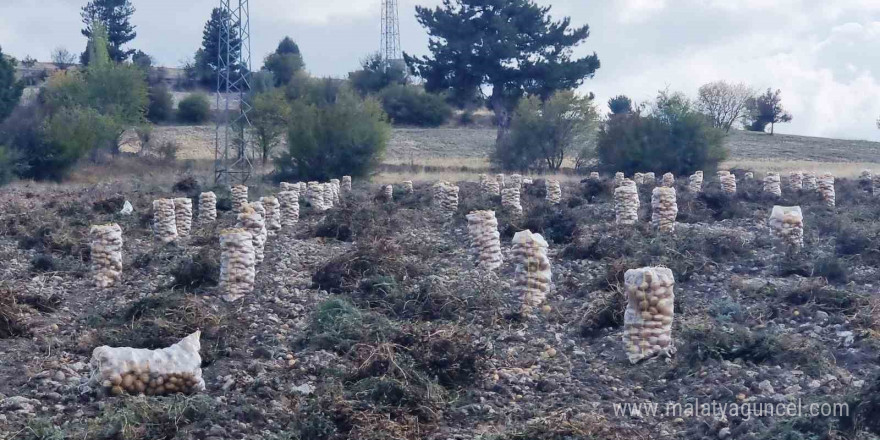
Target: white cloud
{"points": [[313, 11], [636, 11]]}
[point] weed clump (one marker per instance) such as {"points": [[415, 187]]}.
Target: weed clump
{"points": [[368, 259], [11, 323], [201, 269]]}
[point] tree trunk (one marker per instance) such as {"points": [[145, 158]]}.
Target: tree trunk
{"points": [[771, 128], [502, 115]]}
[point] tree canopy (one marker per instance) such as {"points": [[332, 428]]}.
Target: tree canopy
{"points": [[10, 89], [285, 62], [207, 64], [512, 46], [724, 103], [766, 110], [115, 15]]}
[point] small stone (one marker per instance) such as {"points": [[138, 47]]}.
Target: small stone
{"points": [[821, 316]]}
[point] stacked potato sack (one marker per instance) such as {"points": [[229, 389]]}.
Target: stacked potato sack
{"points": [[164, 222], [315, 196], [810, 183], [618, 178], [826, 188], [875, 183], [668, 180], [626, 203], [510, 201], [303, 188], [327, 190], [772, 184], [787, 224], [647, 322], [485, 238], [796, 180], [594, 175], [238, 263], [388, 193], [273, 213], [207, 207], [489, 186], [639, 178], [250, 220], [407, 187], [500, 179], [554, 192], [749, 176], [183, 216], [728, 183], [289, 201], [106, 244], [533, 276], [446, 198], [650, 179], [285, 186], [171, 370], [664, 208], [346, 183], [516, 180], [695, 182], [239, 197], [335, 185]]}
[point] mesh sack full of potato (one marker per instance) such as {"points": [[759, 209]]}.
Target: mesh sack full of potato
{"points": [[273, 213], [238, 262], [239, 197], [647, 322], [510, 201], [183, 216], [485, 238], [387, 194], [796, 180], [171, 370], [533, 276], [289, 208], [445, 198], [346, 183], [250, 220], [826, 188], [668, 180], [315, 196], [787, 225], [554, 191], [164, 220], [106, 246], [772, 184], [728, 183], [407, 186], [207, 207], [695, 182], [664, 208], [626, 203]]}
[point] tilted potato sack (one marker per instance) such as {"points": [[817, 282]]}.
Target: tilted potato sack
{"points": [[238, 262], [239, 197], [787, 224], [626, 203], [485, 238], [176, 369], [164, 221], [510, 201], [207, 207], [664, 208], [554, 192], [647, 322], [183, 216], [533, 276], [106, 244]]}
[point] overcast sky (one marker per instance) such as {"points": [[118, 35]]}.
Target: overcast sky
{"points": [[823, 54]]}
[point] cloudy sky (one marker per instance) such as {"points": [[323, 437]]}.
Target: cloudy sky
{"points": [[823, 54]]}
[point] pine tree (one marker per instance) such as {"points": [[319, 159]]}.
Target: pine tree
{"points": [[115, 16], [10, 89], [512, 46], [207, 59]]}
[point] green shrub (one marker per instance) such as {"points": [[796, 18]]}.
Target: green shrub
{"points": [[9, 161], [411, 105], [75, 132], [161, 106], [347, 137], [544, 134], [374, 75], [10, 89], [673, 137], [194, 109]]}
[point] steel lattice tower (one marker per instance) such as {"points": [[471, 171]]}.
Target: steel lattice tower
{"points": [[389, 47], [233, 148]]}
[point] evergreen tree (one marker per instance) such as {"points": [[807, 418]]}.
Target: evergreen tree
{"points": [[620, 105], [765, 110], [207, 59], [512, 46], [285, 62], [10, 89], [98, 47], [115, 16]]}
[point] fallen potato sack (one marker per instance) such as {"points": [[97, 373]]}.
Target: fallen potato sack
{"points": [[171, 370]]}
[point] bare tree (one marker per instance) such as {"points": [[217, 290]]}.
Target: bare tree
{"points": [[724, 102], [62, 58]]}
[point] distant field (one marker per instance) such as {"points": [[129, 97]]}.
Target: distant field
{"points": [[460, 150]]}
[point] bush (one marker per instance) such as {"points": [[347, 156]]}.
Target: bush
{"points": [[375, 76], [411, 105], [194, 109], [672, 138], [9, 161], [161, 106], [324, 141], [544, 134]]}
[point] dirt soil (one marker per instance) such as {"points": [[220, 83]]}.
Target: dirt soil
{"points": [[372, 321]]}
